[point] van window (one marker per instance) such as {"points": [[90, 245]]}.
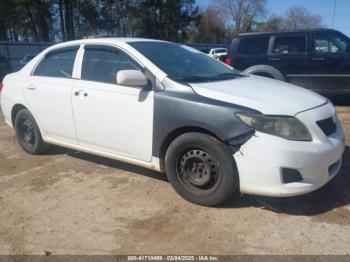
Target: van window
{"points": [[102, 64], [289, 45], [58, 63], [329, 44], [253, 46]]}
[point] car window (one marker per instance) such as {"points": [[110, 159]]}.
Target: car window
{"points": [[253, 46], [329, 44], [102, 64], [289, 45], [58, 63], [223, 50]]}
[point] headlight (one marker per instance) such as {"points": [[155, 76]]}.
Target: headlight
{"points": [[287, 127]]}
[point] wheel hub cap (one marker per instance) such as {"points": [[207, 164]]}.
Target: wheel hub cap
{"points": [[27, 131], [197, 167]]}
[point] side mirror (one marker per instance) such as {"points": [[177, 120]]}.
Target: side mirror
{"points": [[134, 78]]}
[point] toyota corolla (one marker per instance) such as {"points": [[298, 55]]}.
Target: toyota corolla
{"points": [[171, 108]]}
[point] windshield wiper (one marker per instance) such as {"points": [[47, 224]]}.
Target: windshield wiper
{"points": [[222, 76], [228, 75], [194, 79]]}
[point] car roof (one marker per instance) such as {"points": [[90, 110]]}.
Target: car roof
{"points": [[288, 32], [105, 40]]}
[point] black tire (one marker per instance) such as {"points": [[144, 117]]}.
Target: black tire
{"points": [[201, 169], [28, 133]]}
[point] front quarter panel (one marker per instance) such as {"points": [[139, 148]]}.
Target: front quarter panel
{"points": [[180, 107]]}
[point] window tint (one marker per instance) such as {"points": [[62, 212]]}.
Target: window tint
{"points": [[329, 44], [290, 45], [253, 46], [102, 65], [57, 64]]}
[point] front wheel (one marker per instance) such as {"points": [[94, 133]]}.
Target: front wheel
{"points": [[201, 169]]}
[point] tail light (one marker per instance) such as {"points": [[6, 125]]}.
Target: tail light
{"points": [[228, 61], [1, 86]]}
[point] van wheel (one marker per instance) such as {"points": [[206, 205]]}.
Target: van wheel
{"points": [[28, 133], [201, 169]]}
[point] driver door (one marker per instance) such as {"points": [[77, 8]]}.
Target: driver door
{"points": [[109, 117]]}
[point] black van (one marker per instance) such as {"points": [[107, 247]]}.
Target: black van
{"points": [[318, 59]]}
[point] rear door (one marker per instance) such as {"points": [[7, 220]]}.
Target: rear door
{"points": [[330, 63], [48, 93], [289, 54]]}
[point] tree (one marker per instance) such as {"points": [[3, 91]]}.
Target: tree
{"points": [[164, 19], [243, 14], [116, 17], [274, 23], [211, 28], [300, 18], [295, 18]]}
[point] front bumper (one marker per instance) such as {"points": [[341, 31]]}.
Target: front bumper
{"points": [[260, 160]]}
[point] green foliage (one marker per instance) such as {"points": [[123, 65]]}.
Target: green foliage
{"points": [[165, 19], [173, 20], [55, 20]]}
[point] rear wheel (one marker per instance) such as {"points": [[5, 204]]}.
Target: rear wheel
{"points": [[201, 169], [28, 133]]}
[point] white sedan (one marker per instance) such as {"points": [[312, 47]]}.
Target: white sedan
{"points": [[168, 107], [217, 53]]}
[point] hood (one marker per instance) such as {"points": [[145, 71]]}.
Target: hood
{"points": [[269, 96]]}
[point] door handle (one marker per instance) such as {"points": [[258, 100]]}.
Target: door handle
{"points": [[318, 59], [31, 87], [275, 59], [79, 92]]}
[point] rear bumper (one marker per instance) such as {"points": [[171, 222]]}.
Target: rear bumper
{"points": [[6, 107], [260, 161]]}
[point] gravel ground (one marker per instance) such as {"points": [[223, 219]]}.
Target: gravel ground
{"points": [[67, 202]]}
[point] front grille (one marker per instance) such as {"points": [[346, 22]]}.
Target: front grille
{"points": [[327, 125]]}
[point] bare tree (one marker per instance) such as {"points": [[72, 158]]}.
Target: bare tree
{"points": [[295, 18], [300, 18], [211, 28], [243, 14]]}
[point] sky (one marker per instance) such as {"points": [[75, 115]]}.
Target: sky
{"points": [[324, 8]]}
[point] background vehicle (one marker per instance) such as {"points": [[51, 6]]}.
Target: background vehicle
{"points": [[218, 53], [317, 59]]}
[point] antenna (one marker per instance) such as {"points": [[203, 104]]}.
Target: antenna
{"points": [[334, 8]]}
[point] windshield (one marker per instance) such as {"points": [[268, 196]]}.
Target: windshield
{"points": [[184, 64]]}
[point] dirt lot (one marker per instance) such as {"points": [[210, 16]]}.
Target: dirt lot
{"points": [[68, 202]]}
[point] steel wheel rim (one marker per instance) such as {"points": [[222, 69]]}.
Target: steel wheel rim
{"points": [[198, 171], [27, 133]]}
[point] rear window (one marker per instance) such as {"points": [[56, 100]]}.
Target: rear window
{"points": [[58, 63], [289, 45], [253, 46]]}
